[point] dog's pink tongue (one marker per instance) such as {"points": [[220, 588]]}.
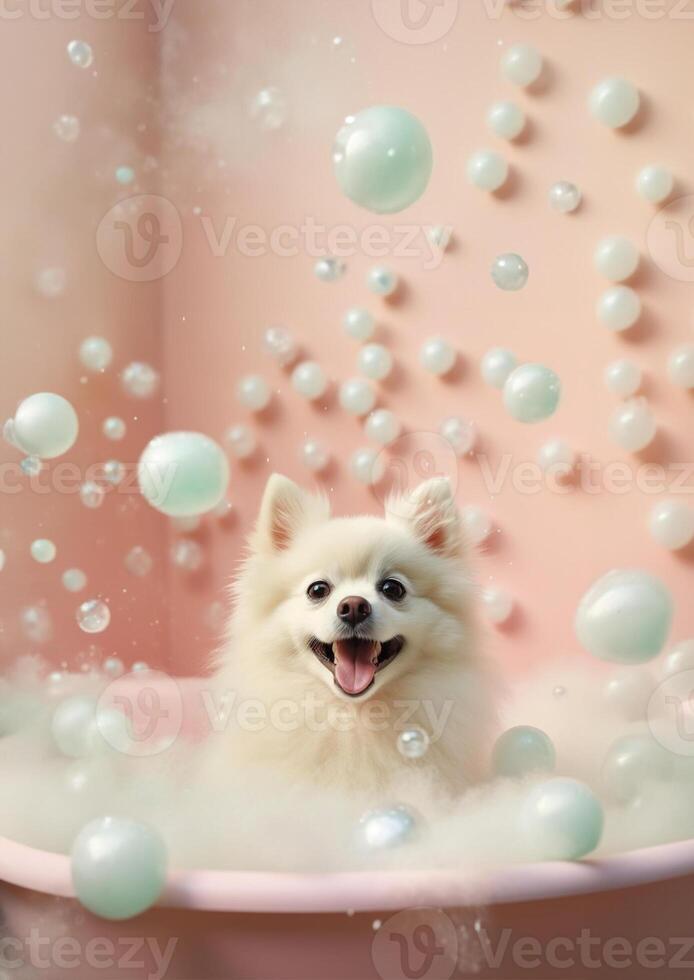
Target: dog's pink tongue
{"points": [[354, 664]]}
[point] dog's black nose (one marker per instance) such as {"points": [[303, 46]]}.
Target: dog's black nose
{"points": [[354, 609]]}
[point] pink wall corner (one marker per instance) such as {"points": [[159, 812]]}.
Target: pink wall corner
{"points": [[55, 195]]}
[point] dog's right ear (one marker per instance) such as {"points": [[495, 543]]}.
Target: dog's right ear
{"points": [[284, 510]]}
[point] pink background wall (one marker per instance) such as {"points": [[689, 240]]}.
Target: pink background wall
{"points": [[203, 323]]}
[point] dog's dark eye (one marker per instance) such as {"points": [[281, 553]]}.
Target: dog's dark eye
{"points": [[393, 590], [318, 591]]}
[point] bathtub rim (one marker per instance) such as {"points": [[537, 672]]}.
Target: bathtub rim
{"points": [[366, 891]]}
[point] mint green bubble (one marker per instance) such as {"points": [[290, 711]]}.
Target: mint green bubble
{"points": [[383, 159], [118, 867], [531, 393], [523, 750], [625, 617], [183, 474], [561, 820]]}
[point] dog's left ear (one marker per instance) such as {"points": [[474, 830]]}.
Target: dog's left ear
{"points": [[431, 512], [284, 510]]}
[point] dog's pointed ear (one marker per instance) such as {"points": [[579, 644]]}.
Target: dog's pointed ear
{"points": [[431, 513], [284, 510]]}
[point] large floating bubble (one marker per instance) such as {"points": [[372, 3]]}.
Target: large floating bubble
{"points": [[632, 425], [357, 396], [45, 425], [681, 366], [496, 365], [383, 159], [522, 750], [619, 308], [487, 170], [672, 524], [561, 820], [358, 323], [614, 102], [625, 617], [506, 119], [118, 867], [564, 196], [521, 64], [531, 393], [632, 763], [616, 258], [510, 271], [183, 474], [655, 183], [309, 379], [383, 426]]}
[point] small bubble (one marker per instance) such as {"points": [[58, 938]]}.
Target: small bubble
{"points": [[113, 666], [93, 616], [114, 472], [31, 466], [92, 495], [187, 555], [67, 128], [43, 551], [269, 109], [125, 176], [114, 428], [74, 579], [51, 282], [329, 270], [139, 380], [80, 54]]}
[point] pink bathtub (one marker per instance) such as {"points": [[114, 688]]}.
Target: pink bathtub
{"points": [[628, 914]]}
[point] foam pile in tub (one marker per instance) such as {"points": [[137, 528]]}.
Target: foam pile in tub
{"points": [[598, 739]]}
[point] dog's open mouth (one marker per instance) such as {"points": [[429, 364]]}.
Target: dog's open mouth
{"points": [[355, 662]]}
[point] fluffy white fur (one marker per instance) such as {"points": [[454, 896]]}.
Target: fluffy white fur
{"points": [[439, 680]]}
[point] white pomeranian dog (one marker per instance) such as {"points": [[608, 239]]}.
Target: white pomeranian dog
{"points": [[348, 632]]}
